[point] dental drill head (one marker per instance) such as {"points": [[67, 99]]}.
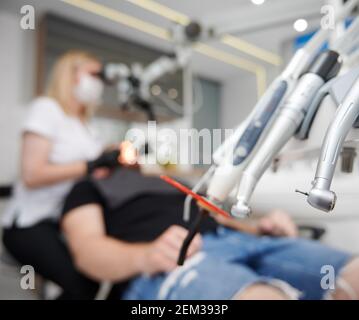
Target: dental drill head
{"points": [[289, 118], [320, 196]]}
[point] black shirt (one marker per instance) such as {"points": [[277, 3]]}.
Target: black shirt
{"points": [[142, 218]]}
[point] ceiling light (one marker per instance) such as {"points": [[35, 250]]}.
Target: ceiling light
{"points": [[300, 25], [162, 10], [232, 41], [258, 2], [251, 49], [149, 28], [120, 17]]}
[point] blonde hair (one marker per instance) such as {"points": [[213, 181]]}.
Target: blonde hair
{"points": [[62, 79]]}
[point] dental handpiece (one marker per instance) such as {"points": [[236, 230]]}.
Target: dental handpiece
{"points": [[269, 103], [320, 196], [259, 122], [290, 115], [237, 152]]}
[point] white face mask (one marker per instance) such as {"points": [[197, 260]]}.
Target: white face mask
{"points": [[89, 90]]}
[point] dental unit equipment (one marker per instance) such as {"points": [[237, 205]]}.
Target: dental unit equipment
{"points": [[303, 100], [320, 196], [238, 151], [349, 56], [289, 119], [234, 155]]}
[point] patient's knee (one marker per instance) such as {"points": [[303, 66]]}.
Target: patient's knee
{"points": [[347, 286], [261, 292]]}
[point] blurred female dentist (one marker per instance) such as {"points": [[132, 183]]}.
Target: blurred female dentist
{"points": [[58, 147]]}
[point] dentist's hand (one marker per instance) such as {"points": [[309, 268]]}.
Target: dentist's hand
{"points": [[108, 160], [161, 255], [123, 155]]}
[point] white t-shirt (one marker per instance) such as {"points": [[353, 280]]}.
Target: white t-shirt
{"points": [[72, 141]]}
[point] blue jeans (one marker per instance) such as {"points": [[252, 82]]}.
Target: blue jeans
{"points": [[230, 261]]}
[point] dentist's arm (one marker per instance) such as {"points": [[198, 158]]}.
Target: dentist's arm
{"points": [[36, 169]]}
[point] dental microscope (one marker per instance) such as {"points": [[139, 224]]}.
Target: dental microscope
{"points": [[133, 83]]}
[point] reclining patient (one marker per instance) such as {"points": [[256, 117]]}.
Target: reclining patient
{"points": [[128, 229]]}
